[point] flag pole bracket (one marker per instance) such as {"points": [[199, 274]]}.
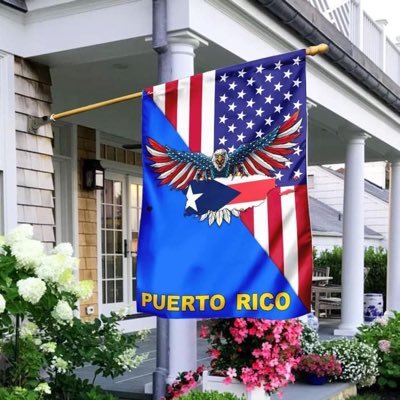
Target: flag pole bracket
{"points": [[34, 123]]}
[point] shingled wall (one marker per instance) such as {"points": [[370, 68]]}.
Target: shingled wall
{"points": [[34, 152]]}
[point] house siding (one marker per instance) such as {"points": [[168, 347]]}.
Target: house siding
{"points": [[329, 189], [87, 217], [34, 162]]}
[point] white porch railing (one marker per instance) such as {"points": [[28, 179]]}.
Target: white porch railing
{"points": [[369, 35]]}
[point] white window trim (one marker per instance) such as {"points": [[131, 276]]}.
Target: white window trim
{"points": [[8, 161]]}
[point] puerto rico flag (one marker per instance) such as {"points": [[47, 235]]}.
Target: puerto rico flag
{"points": [[225, 228]]}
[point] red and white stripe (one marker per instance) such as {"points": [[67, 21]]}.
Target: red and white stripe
{"points": [[281, 223]]}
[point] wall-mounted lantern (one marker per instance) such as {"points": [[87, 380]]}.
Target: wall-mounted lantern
{"points": [[93, 175]]}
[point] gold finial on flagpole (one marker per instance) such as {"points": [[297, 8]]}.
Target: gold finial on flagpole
{"points": [[318, 49]]}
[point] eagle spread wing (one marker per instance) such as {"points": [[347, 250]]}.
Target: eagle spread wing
{"points": [[263, 155], [177, 168]]}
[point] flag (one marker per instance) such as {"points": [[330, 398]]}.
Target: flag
{"points": [[225, 228]]}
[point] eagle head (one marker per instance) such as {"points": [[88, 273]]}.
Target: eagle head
{"points": [[220, 159]]}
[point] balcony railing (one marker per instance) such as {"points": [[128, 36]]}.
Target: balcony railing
{"points": [[369, 35]]}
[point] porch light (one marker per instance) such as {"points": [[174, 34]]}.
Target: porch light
{"points": [[93, 175]]}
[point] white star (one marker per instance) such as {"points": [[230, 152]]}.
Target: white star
{"points": [[231, 149], [286, 117], [232, 86], [241, 137], [268, 99], [250, 81], [297, 174], [250, 103], [296, 61], [297, 150], [259, 112], [278, 108], [269, 121], [287, 95], [287, 73], [222, 140], [222, 119], [278, 86], [241, 94], [279, 175], [288, 164], [259, 90], [241, 73], [259, 133], [241, 115], [223, 78], [223, 98], [191, 199], [250, 125], [259, 69], [297, 82], [297, 105], [232, 107], [231, 128], [268, 78], [278, 65]]}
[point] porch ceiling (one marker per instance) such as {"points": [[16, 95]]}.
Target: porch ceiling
{"points": [[94, 74]]}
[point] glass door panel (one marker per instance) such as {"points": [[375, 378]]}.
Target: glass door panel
{"points": [[113, 277]]}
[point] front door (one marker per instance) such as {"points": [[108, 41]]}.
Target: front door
{"points": [[120, 202]]}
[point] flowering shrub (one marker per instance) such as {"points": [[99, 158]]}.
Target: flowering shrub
{"points": [[309, 339], [184, 382], [41, 335], [258, 352], [383, 335], [320, 365], [211, 395], [359, 361]]}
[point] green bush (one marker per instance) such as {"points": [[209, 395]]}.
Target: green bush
{"points": [[212, 395], [18, 393], [375, 264], [383, 335]]}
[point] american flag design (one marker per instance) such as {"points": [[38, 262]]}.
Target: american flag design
{"points": [[256, 114]]}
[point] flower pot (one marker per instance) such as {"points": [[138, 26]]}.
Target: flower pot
{"points": [[237, 388], [373, 306], [313, 379]]}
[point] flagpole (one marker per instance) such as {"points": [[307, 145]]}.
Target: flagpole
{"points": [[310, 51]]}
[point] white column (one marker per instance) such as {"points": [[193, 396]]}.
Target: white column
{"points": [[353, 238], [8, 155], [393, 272], [182, 333]]}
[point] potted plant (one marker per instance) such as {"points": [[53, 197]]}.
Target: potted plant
{"points": [[251, 357], [319, 368]]}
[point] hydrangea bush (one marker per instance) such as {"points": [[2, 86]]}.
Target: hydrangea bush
{"points": [[258, 352], [384, 336], [42, 337]]}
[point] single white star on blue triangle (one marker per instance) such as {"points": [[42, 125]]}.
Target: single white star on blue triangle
{"points": [[222, 140], [269, 121], [268, 99], [297, 150], [287, 95], [296, 61], [278, 86], [297, 82], [241, 137], [223, 98], [278, 108], [232, 86], [278, 175], [278, 65], [232, 107], [250, 81], [223, 77], [191, 199], [297, 105], [297, 174], [268, 78], [287, 73], [259, 69], [241, 73]]}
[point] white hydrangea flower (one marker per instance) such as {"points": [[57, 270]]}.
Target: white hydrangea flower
{"points": [[84, 289], [129, 359], [51, 268], [29, 253], [65, 249], [62, 312], [31, 289], [2, 304], [28, 330], [49, 347], [122, 312], [20, 233], [59, 365], [43, 388]]}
